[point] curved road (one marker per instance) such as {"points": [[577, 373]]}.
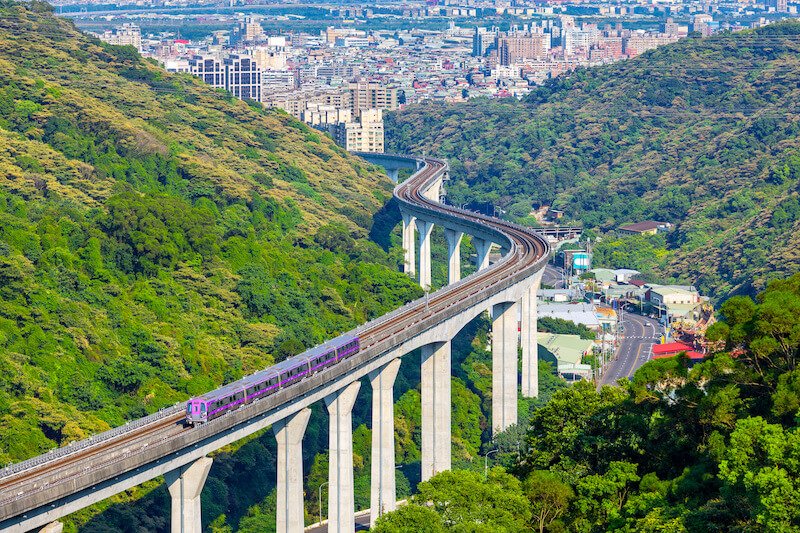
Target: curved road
{"points": [[640, 333], [553, 276]]}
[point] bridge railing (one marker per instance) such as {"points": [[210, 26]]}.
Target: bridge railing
{"points": [[77, 446]]}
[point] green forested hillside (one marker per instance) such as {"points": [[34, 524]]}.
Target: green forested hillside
{"points": [[703, 133], [158, 238]]}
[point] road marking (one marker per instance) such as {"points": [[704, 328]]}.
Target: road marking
{"points": [[633, 365]]}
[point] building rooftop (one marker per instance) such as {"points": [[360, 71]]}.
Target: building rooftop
{"points": [[673, 289], [670, 348], [647, 225], [568, 349], [579, 313], [691, 354]]}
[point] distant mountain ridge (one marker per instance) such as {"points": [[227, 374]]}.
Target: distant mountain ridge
{"points": [[702, 133]]}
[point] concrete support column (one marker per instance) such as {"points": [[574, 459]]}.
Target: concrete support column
{"points": [[435, 191], [454, 253], [341, 501], [53, 527], [482, 247], [289, 434], [425, 229], [529, 340], [436, 408], [504, 366], [185, 485], [409, 245], [383, 494], [393, 174]]}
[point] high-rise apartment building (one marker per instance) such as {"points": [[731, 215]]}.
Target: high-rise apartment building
{"points": [[372, 95], [364, 135], [125, 35], [253, 31], [239, 74], [520, 47], [243, 77], [209, 69], [669, 27], [781, 6]]}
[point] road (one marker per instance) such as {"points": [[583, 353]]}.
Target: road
{"points": [[553, 277], [362, 524], [640, 333]]}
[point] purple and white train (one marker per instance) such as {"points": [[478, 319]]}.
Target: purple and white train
{"points": [[261, 384]]}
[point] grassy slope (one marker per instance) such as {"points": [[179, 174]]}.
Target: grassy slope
{"points": [[158, 238], [702, 133]]}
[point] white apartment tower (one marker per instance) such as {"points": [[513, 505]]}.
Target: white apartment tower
{"points": [[365, 135], [239, 74]]}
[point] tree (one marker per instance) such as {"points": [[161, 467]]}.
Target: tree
{"points": [[760, 467], [601, 497], [410, 518], [465, 501], [549, 497]]}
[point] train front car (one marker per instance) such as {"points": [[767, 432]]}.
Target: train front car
{"points": [[196, 411]]}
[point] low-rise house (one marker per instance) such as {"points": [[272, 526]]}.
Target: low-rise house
{"points": [[648, 227], [676, 302], [558, 295], [568, 350], [607, 318], [671, 349]]}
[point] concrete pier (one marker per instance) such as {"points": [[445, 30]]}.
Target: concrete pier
{"points": [[52, 527], [454, 253], [530, 348], [383, 492], [341, 500], [436, 409], [504, 366], [409, 246], [289, 434], [185, 485], [529, 339], [482, 247], [425, 229]]}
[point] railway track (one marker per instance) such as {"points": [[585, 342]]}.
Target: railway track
{"points": [[527, 253]]}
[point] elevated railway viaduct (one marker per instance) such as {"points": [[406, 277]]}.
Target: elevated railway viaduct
{"points": [[36, 493]]}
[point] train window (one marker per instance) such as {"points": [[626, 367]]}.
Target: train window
{"points": [[202, 407]]}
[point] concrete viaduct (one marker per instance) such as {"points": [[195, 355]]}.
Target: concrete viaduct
{"points": [[34, 494]]}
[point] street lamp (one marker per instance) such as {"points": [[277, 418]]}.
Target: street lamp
{"points": [[319, 492], [486, 463]]}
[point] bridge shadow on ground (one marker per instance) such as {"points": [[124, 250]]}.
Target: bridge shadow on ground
{"points": [[384, 222]]}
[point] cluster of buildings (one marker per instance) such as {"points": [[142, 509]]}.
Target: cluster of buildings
{"points": [[596, 303], [298, 73], [342, 79]]}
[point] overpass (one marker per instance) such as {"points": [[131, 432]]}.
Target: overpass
{"points": [[37, 492]]}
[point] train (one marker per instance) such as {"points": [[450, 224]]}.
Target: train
{"points": [[216, 403]]}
